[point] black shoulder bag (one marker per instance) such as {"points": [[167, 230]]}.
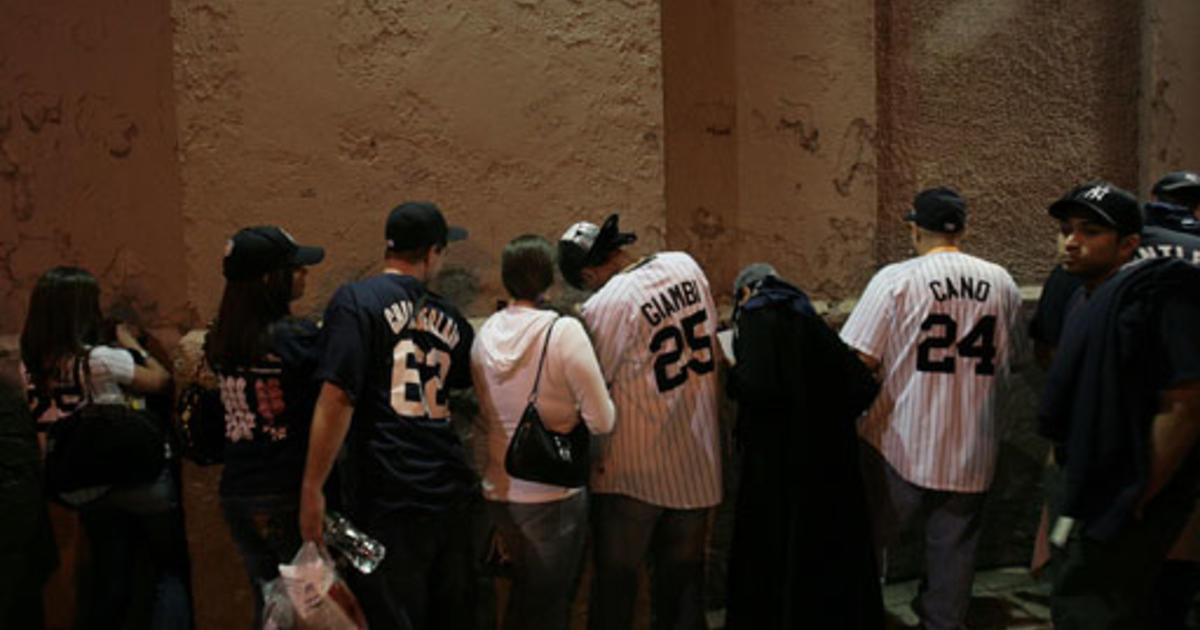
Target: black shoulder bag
{"points": [[200, 421], [102, 444], [536, 453]]}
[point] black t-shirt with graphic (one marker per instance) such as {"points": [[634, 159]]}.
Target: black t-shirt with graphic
{"points": [[397, 369], [268, 414]]}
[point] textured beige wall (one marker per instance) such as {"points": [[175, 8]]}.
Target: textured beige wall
{"points": [[514, 116], [700, 109], [1011, 102], [771, 131], [806, 155], [87, 153], [1171, 89]]}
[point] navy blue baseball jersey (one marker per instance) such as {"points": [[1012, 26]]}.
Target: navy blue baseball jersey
{"points": [[396, 366]]}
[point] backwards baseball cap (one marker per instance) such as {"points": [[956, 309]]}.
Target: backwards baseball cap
{"points": [[1182, 187], [1111, 205], [939, 209], [415, 224], [753, 274], [258, 250], [585, 244]]}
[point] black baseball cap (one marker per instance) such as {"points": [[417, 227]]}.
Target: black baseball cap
{"points": [[415, 224], [261, 249], [1182, 187], [586, 244], [1114, 207], [939, 209]]}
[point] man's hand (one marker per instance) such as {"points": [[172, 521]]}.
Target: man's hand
{"points": [[312, 515], [871, 362]]}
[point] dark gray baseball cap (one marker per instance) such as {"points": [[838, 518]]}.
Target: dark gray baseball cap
{"points": [[939, 209]]}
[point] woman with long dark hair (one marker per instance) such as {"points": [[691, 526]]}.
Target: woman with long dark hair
{"points": [[264, 360], [542, 525], [72, 357]]}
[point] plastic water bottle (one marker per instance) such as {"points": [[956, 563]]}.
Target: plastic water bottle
{"points": [[364, 552]]}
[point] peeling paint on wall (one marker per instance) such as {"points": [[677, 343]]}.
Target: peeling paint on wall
{"points": [[87, 154]]}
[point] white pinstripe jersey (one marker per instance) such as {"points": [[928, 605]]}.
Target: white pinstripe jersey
{"points": [[941, 326], [653, 326]]}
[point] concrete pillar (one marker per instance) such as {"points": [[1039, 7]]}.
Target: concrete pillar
{"points": [[771, 132], [1170, 126], [700, 117]]}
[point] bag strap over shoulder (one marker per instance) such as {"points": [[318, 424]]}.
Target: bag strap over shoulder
{"points": [[545, 345], [83, 378]]}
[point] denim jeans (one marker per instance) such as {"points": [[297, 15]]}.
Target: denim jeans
{"points": [[545, 544], [626, 532], [427, 578], [266, 530], [118, 525]]}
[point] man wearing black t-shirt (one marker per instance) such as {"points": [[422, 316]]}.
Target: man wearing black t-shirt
{"points": [[390, 351], [1122, 405]]}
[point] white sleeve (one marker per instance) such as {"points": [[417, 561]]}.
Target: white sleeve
{"points": [[117, 363], [866, 330], [608, 321], [584, 378]]}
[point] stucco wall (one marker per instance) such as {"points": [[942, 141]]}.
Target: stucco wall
{"points": [[771, 121], [515, 117], [1171, 89], [88, 174], [1011, 102]]}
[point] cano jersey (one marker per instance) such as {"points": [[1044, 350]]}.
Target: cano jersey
{"points": [[397, 366], [941, 326], [653, 326]]}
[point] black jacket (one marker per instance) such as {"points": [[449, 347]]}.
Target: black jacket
{"points": [[1102, 392], [801, 554]]}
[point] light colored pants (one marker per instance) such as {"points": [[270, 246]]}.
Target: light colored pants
{"points": [[545, 544], [951, 527]]}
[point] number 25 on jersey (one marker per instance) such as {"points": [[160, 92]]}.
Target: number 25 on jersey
{"points": [[669, 343]]}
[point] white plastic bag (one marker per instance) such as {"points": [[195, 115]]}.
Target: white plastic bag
{"points": [[308, 595]]}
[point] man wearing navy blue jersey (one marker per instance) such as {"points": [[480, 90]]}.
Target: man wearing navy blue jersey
{"points": [[391, 349]]}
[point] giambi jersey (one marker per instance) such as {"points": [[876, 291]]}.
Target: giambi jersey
{"points": [[941, 327], [654, 329]]}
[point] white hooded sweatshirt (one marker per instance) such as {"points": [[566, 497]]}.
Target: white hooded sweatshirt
{"points": [[504, 362]]}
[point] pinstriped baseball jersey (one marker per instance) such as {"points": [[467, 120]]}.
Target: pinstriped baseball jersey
{"points": [[941, 326], [653, 326]]}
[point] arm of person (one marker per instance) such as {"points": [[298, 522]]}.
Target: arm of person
{"points": [[1173, 434], [866, 330], [849, 379], [757, 378], [331, 422], [584, 378], [608, 323], [149, 378]]}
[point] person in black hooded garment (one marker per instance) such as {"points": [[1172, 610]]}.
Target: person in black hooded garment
{"points": [[801, 554]]}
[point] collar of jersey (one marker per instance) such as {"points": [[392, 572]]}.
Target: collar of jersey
{"points": [[637, 263]]}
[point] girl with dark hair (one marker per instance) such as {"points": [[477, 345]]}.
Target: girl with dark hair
{"points": [[71, 356], [542, 526], [264, 360]]}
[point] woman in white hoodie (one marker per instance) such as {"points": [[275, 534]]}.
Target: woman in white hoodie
{"points": [[542, 526]]}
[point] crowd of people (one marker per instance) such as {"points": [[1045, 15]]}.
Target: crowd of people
{"points": [[843, 437]]}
